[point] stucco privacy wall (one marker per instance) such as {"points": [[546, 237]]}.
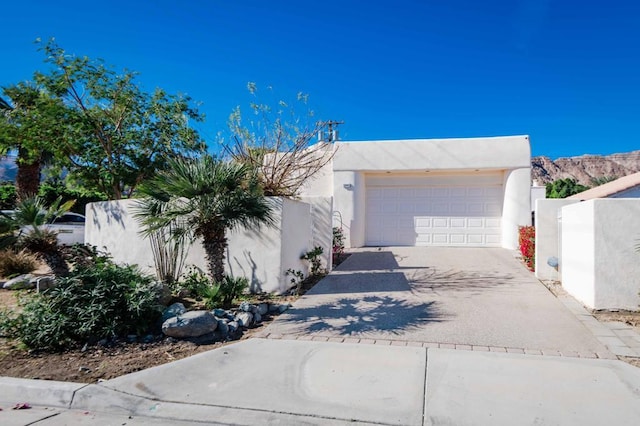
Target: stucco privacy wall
{"points": [[261, 255], [322, 226], [600, 264], [547, 235], [352, 161]]}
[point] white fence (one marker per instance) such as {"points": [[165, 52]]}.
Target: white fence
{"points": [[263, 256]]}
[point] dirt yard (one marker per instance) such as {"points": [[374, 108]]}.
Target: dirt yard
{"points": [[96, 362]]}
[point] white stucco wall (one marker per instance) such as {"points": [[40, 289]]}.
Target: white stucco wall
{"points": [[537, 193], [547, 236], [600, 264], [516, 210], [322, 226], [261, 255], [508, 152]]}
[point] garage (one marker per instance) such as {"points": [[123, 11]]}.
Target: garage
{"points": [[463, 209]]}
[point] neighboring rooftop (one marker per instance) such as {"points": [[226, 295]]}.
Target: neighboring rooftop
{"points": [[608, 189]]}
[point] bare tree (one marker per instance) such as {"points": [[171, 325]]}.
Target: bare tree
{"points": [[279, 144]]}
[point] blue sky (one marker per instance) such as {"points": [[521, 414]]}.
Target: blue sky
{"points": [[565, 72]]}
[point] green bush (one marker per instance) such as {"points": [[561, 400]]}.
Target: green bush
{"points": [[7, 196], [102, 301], [231, 288], [202, 287], [17, 262]]}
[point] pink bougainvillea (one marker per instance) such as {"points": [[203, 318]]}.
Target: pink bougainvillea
{"points": [[527, 243]]}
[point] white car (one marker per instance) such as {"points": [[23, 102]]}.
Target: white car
{"points": [[70, 228]]}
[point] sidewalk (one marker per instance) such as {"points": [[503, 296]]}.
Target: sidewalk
{"points": [[264, 381]]}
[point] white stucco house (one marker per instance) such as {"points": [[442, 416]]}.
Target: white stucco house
{"points": [[446, 192]]}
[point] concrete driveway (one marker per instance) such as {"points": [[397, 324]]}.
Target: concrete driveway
{"points": [[480, 297]]}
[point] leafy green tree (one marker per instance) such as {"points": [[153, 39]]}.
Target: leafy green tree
{"points": [[118, 135], [563, 188], [31, 123], [204, 198]]}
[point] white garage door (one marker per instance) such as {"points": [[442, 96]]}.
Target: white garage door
{"points": [[444, 211]]}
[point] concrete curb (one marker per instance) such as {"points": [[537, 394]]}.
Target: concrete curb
{"points": [[38, 392]]}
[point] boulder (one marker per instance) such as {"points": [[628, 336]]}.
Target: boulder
{"points": [[44, 283], [244, 319], [190, 324], [263, 308], [223, 327], [21, 282], [233, 326], [220, 313], [245, 307], [173, 310]]}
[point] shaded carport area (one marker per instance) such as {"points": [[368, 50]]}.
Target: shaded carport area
{"points": [[481, 297]]}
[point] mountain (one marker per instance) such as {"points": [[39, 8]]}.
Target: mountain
{"points": [[8, 168], [585, 168]]}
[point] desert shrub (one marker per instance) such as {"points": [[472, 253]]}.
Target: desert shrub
{"points": [[527, 244], [214, 294], [231, 288], [194, 282], [102, 301], [84, 256], [7, 196], [17, 262], [315, 262]]}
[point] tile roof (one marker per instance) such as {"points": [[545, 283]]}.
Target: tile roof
{"points": [[608, 189]]}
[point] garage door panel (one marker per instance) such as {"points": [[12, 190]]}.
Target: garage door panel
{"points": [[423, 222], [406, 222], [475, 192], [458, 222], [461, 214], [439, 208], [441, 239], [440, 222], [475, 222], [493, 239], [457, 238], [492, 209], [406, 208], [493, 223]]}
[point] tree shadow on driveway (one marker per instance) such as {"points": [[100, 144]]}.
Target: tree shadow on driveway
{"points": [[359, 316], [472, 282]]}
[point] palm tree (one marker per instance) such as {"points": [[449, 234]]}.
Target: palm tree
{"points": [[204, 198], [26, 228], [30, 124]]}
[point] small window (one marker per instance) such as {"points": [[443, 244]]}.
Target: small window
{"points": [[69, 218]]}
